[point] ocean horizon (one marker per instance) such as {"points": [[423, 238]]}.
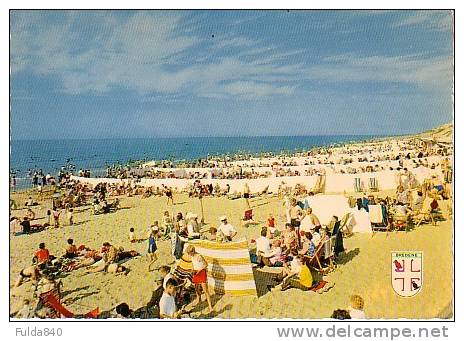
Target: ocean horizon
{"points": [[95, 154]]}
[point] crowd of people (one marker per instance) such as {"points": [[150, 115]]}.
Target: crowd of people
{"points": [[341, 160], [296, 247]]}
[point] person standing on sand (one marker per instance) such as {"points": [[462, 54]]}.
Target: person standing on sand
{"points": [[70, 216], [295, 218], [152, 249], [200, 278], [288, 205], [168, 225], [246, 194], [168, 193], [56, 217]]}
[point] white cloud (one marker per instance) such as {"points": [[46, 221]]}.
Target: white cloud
{"points": [[234, 42], [434, 20], [152, 53], [255, 89], [417, 70], [143, 53]]}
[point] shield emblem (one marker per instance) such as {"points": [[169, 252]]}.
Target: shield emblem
{"points": [[406, 272]]}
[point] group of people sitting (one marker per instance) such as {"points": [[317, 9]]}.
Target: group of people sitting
{"points": [[302, 244], [46, 268]]}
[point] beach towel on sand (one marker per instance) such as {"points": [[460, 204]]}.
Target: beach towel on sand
{"points": [[317, 286]]}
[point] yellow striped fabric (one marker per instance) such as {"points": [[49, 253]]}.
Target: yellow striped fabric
{"points": [[229, 267]]}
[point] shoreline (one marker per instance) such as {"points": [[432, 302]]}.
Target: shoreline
{"points": [[276, 153]]}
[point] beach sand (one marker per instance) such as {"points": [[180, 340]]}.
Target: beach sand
{"points": [[364, 269]]}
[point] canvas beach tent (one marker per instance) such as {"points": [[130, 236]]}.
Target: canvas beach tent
{"points": [[325, 206], [229, 267]]}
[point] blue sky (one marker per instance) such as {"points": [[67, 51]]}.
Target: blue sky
{"points": [[91, 74]]}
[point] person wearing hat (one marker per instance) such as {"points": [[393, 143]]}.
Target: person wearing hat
{"points": [[192, 225], [226, 230]]}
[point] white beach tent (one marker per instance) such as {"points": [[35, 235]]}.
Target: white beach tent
{"points": [[325, 206]]}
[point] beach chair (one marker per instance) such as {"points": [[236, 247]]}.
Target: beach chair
{"points": [[328, 254], [51, 299], [314, 261], [247, 218], [357, 185], [373, 185], [248, 215], [264, 191], [377, 219], [345, 225], [319, 185], [426, 214]]}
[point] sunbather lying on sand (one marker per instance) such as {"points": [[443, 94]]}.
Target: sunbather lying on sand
{"points": [[31, 272]]}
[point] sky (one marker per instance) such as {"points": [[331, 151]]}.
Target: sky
{"points": [[108, 74]]}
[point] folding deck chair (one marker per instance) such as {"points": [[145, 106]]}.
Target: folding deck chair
{"points": [[426, 213], [51, 299], [378, 223], [314, 261], [328, 254], [373, 185], [247, 218], [345, 224], [357, 185]]}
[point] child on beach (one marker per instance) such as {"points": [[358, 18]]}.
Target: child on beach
{"points": [[168, 225], [289, 236], [356, 308], [49, 218], [70, 217], [56, 217], [30, 214], [168, 193], [31, 273], [152, 250], [167, 304], [178, 239], [71, 250], [165, 273]]}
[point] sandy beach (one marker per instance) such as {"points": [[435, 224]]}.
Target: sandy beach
{"points": [[363, 270], [231, 164]]}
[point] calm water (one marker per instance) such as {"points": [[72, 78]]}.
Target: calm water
{"points": [[50, 155]]}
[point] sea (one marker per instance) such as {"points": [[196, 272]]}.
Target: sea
{"points": [[96, 154]]}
